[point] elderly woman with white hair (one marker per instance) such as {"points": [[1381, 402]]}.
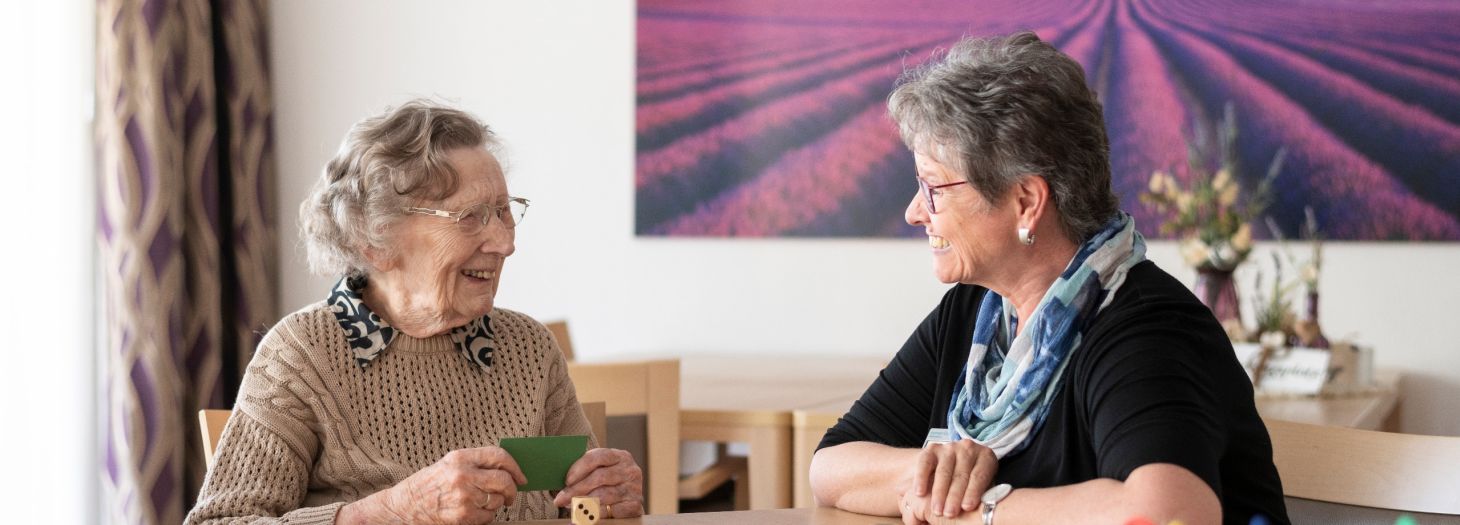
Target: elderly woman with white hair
{"points": [[384, 403], [1063, 378]]}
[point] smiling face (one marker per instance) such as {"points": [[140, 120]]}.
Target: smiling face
{"points": [[439, 277], [968, 234]]}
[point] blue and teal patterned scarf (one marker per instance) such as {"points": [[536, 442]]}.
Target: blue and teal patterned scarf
{"points": [[1008, 385]]}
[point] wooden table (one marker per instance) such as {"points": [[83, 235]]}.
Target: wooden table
{"points": [[753, 399], [1377, 409], [817, 516]]}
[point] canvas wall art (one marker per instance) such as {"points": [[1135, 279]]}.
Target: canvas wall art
{"points": [[767, 118]]}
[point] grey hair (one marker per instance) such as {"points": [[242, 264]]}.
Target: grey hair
{"points": [[996, 109], [386, 162]]}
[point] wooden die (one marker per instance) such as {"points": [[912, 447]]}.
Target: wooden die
{"points": [[585, 510]]}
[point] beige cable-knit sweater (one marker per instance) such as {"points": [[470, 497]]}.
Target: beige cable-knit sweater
{"points": [[312, 430]]}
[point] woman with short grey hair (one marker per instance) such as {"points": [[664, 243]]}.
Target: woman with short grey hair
{"points": [[385, 402], [1063, 378]]}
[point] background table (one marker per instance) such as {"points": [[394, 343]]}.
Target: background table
{"points": [[1376, 409], [752, 400]]}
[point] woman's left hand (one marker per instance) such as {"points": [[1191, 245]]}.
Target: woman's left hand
{"points": [[953, 476], [612, 476]]}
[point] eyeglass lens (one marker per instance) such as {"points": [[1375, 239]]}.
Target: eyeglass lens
{"points": [[927, 195], [478, 216]]}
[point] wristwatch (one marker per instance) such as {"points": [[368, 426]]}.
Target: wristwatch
{"points": [[991, 498]]}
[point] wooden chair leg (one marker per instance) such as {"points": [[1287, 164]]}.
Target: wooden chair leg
{"points": [[742, 490]]}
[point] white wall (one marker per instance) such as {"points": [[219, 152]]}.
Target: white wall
{"points": [[556, 80]]}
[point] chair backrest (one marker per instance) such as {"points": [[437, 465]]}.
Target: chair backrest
{"points": [[648, 389], [211, 421], [559, 330], [1381, 470], [597, 414]]}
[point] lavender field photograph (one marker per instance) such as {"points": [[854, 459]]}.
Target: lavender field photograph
{"points": [[767, 118]]}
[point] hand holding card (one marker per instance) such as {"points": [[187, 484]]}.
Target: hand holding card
{"points": [[545, 460]]}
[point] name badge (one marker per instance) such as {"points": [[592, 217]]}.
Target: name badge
{"points": [[937, 435]]}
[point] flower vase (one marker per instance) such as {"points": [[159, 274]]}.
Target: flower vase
{"points": [[1306, 332], [1218, 290]]}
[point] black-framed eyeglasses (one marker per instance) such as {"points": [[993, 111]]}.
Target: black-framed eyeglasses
{"points": [[474, 219], [927, 191]]}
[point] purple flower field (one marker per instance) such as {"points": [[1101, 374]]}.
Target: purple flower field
{"points": [[767, 118]]}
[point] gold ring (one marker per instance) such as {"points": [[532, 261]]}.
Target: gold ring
{"points": [[607, 510]]}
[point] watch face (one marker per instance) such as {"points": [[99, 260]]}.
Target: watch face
{"points": [[996, 493]]}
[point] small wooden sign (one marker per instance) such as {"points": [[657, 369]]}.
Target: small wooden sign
{"points": [[1286, 370]]}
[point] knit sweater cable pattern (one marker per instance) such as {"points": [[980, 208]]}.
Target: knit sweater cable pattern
{"points": [[313, 431]]}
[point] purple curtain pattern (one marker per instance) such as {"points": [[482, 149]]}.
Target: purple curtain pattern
{"points": [[767, 118], [186, 239]]}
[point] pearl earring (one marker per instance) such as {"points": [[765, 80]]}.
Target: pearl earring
{"points": [[1026, 237]]}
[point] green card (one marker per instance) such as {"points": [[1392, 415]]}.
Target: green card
{"points": [[545, 460]]}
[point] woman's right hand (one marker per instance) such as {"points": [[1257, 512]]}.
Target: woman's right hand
{"points": [[952, 477], [467, 486]]}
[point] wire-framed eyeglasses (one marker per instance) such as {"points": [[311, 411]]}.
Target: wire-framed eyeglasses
{"points": [[928, 190], [474, 219]]}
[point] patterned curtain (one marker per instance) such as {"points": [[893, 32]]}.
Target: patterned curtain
{"points": [[186, 234]]}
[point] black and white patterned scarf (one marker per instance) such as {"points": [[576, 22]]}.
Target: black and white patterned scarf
{"points": [[369, 335]]}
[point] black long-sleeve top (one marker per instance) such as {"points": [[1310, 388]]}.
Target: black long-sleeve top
{"points": [[1155, 380]]}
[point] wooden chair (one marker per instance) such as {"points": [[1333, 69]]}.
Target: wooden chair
{"points": [[1344, 475], [597, 414], [726, 468], [212, 421], [646, 391], [697, 485], [559, 330]]}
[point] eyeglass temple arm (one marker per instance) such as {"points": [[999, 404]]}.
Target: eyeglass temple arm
{"points": [[429, 211]]}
